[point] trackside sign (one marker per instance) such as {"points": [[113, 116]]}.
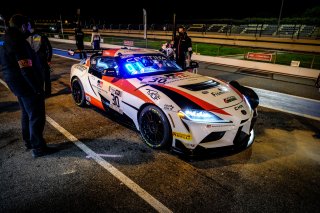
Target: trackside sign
{"points": [[259, 56], [128, 43]]}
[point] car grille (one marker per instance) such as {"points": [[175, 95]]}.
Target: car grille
{"points": [[213, 136], [201, 86], [240, 137]]}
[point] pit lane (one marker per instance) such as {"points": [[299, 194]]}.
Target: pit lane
{"points": [[280, 172]]}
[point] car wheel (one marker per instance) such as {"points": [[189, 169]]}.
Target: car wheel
{"points": [[154, 127], [77, 92]]}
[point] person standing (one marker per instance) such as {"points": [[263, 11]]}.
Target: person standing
{"points": [[79, 42], [183, 48], [22, 73], [95, 38], [317, 84], [42, 47]]}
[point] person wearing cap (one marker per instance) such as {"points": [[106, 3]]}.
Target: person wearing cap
{"points": [[42, 47], [22, 73], [183, 48]]}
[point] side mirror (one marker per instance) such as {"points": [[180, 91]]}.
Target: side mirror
{"points": [[194, 64], [109, 72]]}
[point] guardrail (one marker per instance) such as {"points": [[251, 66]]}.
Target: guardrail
{"points": [[310, 74], [298, 45]]}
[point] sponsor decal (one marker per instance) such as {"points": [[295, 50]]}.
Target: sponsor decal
{"points": [[182, 135], [243, 112], [25, 63], [88, 98], [219, 92], [205, 92], [128, 43], [115, 91], [153, 94], [168, 107], [217, 125], [80, 67], [116, 99], [229, 99], [167, 78], [259, 56], [99, 84], [238, 107]]}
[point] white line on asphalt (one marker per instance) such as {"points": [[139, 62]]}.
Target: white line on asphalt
{"points": [[290, 112], [4, 83], [294, 96], [157, 205], [114, 171]]}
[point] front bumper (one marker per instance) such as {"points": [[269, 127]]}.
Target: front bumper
{"points": [[240, 143]]}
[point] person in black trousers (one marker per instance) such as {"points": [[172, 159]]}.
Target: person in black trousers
{"points": [[79, 42], [22, 73], [42, 47], [183, 48]]}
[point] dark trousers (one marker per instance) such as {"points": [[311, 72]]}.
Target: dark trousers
{"points": [[80, 47], [33, 120], [96, 45], [181, 61]]}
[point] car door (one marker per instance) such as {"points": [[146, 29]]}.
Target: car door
{"points": [[110, 89], [94, 78]]}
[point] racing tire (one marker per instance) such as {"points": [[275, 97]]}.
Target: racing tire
{"points": [[78, 92], [155, 128]]}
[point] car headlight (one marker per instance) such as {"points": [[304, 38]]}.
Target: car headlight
{"points": [[201, 116]]}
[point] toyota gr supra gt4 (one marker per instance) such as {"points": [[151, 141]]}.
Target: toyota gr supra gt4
{"points": [[171, 107]]}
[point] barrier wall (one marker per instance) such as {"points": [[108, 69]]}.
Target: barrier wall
{"points": [[298, 45], [274, 68]]}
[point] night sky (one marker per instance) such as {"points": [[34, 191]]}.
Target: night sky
{"points": [[158, 11]]}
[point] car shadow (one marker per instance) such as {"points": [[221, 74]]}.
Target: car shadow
{"points": [[124, 152]]}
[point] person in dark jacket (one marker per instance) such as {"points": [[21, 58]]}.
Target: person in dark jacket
{"points": [[79, 42], [183, 48], [42, 47], [22, 73]]}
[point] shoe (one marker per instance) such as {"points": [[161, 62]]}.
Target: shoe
{"points": [[43, 151], [47, 95], [28, 146]]}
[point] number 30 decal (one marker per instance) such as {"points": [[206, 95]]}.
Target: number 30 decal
{"points": [[158, 80], [115, 100]]}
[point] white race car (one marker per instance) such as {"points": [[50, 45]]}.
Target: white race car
{"points": [[169, 106]]}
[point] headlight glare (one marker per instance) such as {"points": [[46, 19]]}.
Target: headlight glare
{"points": [[200, 116]]}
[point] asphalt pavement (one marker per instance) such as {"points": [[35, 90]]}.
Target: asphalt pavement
{"points": [[278, 173]]}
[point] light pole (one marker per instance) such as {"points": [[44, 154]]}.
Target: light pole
{"points": [[280, 17]]}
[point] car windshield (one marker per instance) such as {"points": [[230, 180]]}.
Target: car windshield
{"points": [[144, 64]]}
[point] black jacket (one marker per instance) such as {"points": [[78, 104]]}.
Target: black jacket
{"points": [[20, 66], [79, 39], [45, 48], [181, 45]]}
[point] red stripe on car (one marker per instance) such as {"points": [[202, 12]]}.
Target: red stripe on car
{"points": [[205, 105], [126, 86], [95, 102]]}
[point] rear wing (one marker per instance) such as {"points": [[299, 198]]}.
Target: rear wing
{"points": [[72, 52]]}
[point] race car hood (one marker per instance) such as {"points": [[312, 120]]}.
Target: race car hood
{"points": [[210, 93]]}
